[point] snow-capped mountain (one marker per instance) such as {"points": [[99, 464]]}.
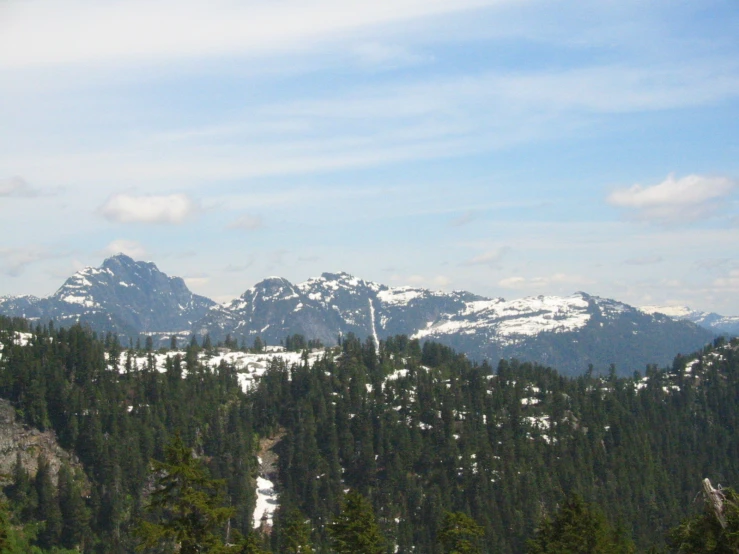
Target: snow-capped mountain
{"points": [[568, 333], [122, 295], [712, 321]]}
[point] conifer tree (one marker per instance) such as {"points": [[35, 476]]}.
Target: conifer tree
{"points": [[294, 532], [48, 506], [355, 530], [185, 505], [578, 528], [75, 516], [460, 534]]}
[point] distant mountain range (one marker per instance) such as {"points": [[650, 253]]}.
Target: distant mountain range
{"points": [[569, 333], [720, 324]]}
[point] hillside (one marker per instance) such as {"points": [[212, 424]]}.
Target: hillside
{"points": [[418, 429]]}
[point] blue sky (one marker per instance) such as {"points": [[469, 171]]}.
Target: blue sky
{"points": [[510, 148]]}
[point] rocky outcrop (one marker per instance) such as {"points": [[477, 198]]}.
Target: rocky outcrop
{"points": [[18, 439]]}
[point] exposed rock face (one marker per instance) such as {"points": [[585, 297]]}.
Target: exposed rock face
{"points": [[17, 439]]}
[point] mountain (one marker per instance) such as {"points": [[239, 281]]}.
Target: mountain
{"points": [[566, 332], [123, 296], [130, 298], [712, 321]]}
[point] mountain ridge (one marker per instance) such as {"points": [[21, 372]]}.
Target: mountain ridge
{"points": [[572, 332]]}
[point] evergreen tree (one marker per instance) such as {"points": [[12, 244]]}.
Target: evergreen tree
{"points": [[75, 516], [578, 528], [294, 532], [186, 505], [460, 534], [48, 510], [355, 530]]}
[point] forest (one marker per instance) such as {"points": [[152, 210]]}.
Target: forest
{"points": [[410, 446]]}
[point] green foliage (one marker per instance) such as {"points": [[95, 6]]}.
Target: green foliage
{"points": [[578, 528], [185, 505], [293, 532], [355, 530], [460, 534], [114, 422], [418, 430]]}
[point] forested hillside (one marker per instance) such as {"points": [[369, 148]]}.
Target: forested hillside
{"points": [[115, 423], [419, 431]]}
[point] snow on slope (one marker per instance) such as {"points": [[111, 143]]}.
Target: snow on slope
{"points": [[678, 312], [266, 501], [509, 319], [249, 366]]}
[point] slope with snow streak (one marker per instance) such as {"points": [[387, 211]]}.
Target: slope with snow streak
{"points": [[266, 501]]}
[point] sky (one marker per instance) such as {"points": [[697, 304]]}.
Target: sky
{"points": [[509, 148]]}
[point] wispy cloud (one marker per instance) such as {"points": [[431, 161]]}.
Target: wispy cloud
{"points": [[171, 209], [491, 258], [124, 246], [238, 268], [643, 260], [464, 219], [675, 200], [383, 55], [157, 30], [247, 223], [373, 125], [729, 282], [16, 186], [14, 261], [538, 283]]}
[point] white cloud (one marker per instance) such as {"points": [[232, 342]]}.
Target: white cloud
{"points": [[157, 30], [172, 209], [247, 222], [643, 260], [16, 186], [729, 282], [539, 283], [377, 123], [675, 200], [490, 258], [123, 246]]}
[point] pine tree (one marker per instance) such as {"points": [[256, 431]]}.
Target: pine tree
{"points": [[578, 528], [75, 517], [460, 534], [355, 530], [48, 506], [185, 505], [294, 532]]}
